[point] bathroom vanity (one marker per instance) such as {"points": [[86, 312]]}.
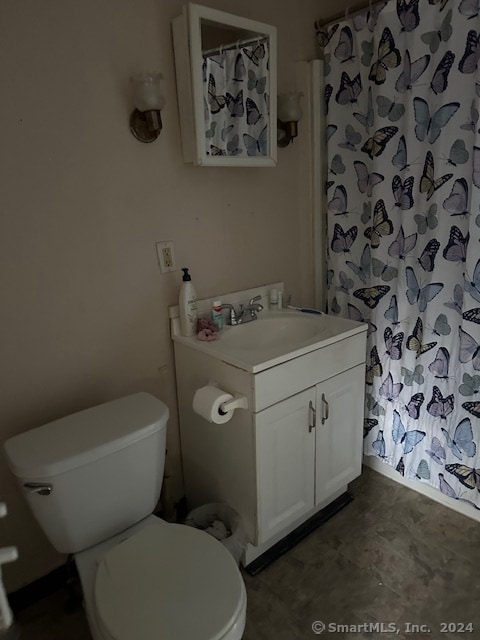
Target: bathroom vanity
{"points": [[299, 443]]}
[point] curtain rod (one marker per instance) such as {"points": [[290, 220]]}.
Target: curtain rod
{"points": [[235, 45], [349, 12]]}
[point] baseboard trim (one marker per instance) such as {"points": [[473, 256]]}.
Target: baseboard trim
{"points": [[298, 534], [63, 577]]}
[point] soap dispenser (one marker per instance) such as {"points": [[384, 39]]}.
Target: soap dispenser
{"points": [[188, 305]]}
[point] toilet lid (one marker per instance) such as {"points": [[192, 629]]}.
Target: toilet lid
{"points": [[168, 581]]}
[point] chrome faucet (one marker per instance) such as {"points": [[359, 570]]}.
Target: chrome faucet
{"points": [[245, 314]]}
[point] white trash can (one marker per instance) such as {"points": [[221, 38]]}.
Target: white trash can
{"points": [[223, 523]]}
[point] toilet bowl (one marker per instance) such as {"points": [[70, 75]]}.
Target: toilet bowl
{"points": [[162, 580], [92, 480]]}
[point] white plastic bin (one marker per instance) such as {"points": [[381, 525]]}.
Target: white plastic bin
{"points": [[223, 523]]}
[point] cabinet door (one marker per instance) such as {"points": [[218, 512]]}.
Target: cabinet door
{"points": [[339, 438], [285, 460]]}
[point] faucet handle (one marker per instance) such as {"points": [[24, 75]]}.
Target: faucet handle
{"points": [[255, 299]]}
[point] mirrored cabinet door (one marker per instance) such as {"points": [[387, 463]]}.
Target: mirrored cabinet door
{"points": [[226, 86]]}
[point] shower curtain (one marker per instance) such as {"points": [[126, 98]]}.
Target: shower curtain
{"points": [[236, 100], [402, 91]]}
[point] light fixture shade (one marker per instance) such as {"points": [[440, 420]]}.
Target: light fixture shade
{"points": [[288, 107], [148, 91]]}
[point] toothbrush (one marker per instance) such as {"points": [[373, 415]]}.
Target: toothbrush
{"points": [[305, 310]]}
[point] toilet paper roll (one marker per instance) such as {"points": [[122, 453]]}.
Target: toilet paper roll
{"points": [[207, 403]]}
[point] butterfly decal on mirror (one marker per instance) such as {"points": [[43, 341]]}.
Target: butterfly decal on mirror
{"points": [[349, 89], [471, 56], [415, 340], [436, 451], [430, 126], [456, 249], [462, 440], [400, 435], [428, 183], [408, 14], [412, 71], [440, 407], [376, 145], [388, 57], [439, 81], [439, 366], [381, 225]]}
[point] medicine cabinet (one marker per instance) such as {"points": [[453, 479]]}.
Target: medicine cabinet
{"points": [[226, 86]]}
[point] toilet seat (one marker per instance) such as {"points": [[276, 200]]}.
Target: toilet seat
{"points": [[169, 581]]}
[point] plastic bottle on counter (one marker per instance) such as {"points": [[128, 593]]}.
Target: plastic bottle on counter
{"points": [[188, 305], [217, 314]]}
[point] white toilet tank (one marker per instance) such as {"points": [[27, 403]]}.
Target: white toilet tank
{"points": [[100, 469]]}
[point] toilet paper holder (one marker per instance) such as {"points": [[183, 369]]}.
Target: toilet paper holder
{"points": [[239, 401]]}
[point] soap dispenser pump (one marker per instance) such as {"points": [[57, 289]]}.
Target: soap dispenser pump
{"points": [[188, 306]]}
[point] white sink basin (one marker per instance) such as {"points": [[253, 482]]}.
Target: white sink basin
{"points": [[275, 337], [282, 329]]}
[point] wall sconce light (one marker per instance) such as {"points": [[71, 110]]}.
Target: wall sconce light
{"points": [[145, 120], [289, 113]]}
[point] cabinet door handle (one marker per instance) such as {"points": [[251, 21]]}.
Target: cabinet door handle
{"points": [[325, 409], [313, 413]]}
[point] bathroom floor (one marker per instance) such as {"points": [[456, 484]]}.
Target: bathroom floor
{"points": [[391, 558]]}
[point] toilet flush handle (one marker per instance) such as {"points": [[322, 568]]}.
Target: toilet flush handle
{"points": [[41, 488]]}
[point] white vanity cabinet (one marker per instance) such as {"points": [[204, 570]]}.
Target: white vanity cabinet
{"points": [[296, 447], [308, 447]]}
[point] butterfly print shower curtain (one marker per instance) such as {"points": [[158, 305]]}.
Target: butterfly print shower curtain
{"points": [[402, 87], [236, 101]]}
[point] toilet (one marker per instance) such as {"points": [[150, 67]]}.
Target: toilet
{"points": [[92, 480]]}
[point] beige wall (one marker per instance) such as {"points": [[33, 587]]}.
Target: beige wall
{"points": [[82, 203]]}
